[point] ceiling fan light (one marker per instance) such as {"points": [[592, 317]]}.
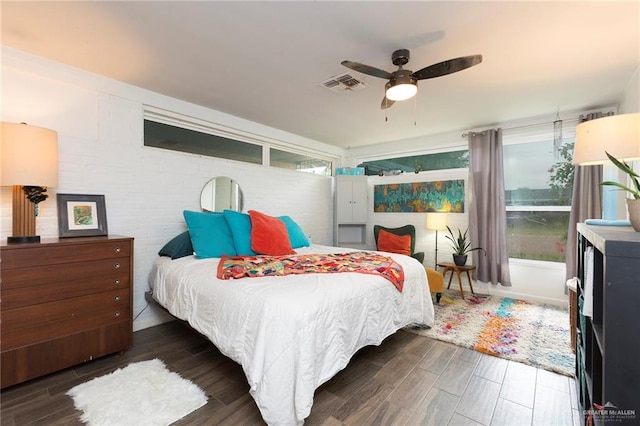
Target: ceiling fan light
{"points": [[401, 92]]}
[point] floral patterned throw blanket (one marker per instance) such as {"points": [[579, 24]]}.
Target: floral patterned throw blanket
{"points": [[360, 262]]}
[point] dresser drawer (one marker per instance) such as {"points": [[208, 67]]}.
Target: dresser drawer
{"points": [[22, 326], [42, 284], [31, 256], [28, 362]]}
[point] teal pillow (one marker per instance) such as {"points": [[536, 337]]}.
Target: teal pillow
{"points": [[240, 226], [296, 235], [179, 246], [210, 234]]}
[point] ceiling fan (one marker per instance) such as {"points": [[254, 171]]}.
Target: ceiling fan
{"points": [[403, 84]]}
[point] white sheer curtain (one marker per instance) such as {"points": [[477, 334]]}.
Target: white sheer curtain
{"points": [[487, 212]]}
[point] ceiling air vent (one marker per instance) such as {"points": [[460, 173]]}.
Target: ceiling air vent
{"points": [[343, 83]]}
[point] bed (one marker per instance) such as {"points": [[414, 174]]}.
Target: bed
{"points": [[291, 333]]}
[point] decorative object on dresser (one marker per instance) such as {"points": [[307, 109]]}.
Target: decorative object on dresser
{"points": [[81, 215], [68, 297], [608, 350], [30, 164], [615, 137]]}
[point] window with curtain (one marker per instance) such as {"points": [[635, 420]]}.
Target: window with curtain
{"points": [[538, 198]]}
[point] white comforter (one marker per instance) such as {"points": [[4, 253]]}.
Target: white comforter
{"points": [[292, 333]]}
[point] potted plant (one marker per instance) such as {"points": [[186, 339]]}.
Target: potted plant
{"points": [[633, 204], [461, 246]]}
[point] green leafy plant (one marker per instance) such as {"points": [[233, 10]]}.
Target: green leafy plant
{"points": [[561, 175], [622, 165], [461, 244]]}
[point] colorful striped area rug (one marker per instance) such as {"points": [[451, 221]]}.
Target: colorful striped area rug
{"points": [[533, 334]]}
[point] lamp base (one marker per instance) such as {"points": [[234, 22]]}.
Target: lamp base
{"points": [[23, 240]]}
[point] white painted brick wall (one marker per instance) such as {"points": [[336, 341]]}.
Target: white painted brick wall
{"points": [[100, 137]]}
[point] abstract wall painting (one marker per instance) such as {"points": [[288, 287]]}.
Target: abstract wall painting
{"points": [[446, 196]]}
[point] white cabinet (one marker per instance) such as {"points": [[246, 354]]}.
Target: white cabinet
{"points": [[351, 211], [351, 205]]}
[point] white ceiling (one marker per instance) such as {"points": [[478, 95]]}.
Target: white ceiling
{"points": [[262, 61]]}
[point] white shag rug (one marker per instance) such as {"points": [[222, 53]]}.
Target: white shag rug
{"points": [[142, 393]]}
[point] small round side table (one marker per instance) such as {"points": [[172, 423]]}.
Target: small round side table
{"points": [[449, 266]]}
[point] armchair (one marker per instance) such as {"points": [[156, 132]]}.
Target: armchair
{"points": [[435, 278]]}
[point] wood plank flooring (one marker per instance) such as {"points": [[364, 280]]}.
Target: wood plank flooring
{"points": [[407, 380]]}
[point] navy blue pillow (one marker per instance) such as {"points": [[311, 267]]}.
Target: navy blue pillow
{"points": [[179, 246]]}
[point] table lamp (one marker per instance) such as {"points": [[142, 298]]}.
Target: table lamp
{"points": [[619, 135], [436, 222], [29, 158]]}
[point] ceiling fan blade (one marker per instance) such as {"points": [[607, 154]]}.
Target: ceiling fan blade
{"points": [[366, 69], [447, 67], [386, 103]]}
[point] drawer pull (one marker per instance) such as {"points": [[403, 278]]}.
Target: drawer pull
{"points": [[116, 281], [116, 266], [116, 314], [116, 298], [117, 250]]}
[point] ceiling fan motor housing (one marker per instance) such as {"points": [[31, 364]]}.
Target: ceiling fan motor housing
{"points": [[400, 57], [402, 76]]}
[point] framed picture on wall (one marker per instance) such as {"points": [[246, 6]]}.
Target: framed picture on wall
{"points": [[81, 215]]}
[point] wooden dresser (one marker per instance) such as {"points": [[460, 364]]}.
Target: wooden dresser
{"points": [[63, 302]]}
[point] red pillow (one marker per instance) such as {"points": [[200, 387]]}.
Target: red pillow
{"points": [[393, 243], [269, 235]]}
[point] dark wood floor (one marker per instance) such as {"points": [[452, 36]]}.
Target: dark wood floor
{"points": [[408, 380]]}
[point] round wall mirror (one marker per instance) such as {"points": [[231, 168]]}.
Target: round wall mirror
{"points": [[221, 193]]}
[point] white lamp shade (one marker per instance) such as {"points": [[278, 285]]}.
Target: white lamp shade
{"points": [[436, 221], [29, 155], [619, 135]]}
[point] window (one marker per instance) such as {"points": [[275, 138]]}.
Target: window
{"points": [[299, 162], [438, 161], [538, 197], [174, 138]]}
